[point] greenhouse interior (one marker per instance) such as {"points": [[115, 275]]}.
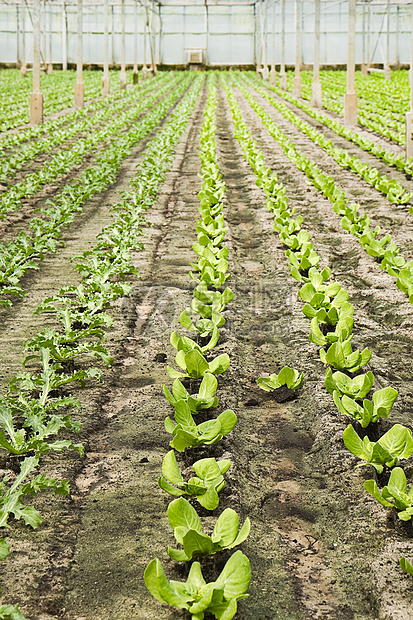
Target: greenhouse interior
{"points": [[206, 309]]}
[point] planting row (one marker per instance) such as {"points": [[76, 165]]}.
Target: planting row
{"points": [[331, 314], [37, 404]]}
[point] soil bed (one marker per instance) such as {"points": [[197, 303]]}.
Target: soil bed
{"points": [[320, 547]]}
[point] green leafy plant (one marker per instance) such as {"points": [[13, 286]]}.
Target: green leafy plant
{"points": [[192, 361], [187, 527], [203, 400], [356, 388], [393, 446], [406, 566], [205, 486], [370, 411], [342, 357], [188, 435], [287, 376], [396, 492], [218, 598]]}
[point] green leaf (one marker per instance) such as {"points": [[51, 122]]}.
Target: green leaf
{"points": [[169, 488], [195, 544], [181, 514], [171, 470], [207, 470], [383, 401], [226, 528], [227, 419], [236, 576], [208, 387], [4, 548], [219, 364], [398, 441], [371, 487], [406, 566], [161, 589], [355, 444], [196, 364]]}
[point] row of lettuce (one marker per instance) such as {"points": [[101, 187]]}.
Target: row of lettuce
{"points": [[383, 249], [326, 305], [203, 318], [39, 403]]}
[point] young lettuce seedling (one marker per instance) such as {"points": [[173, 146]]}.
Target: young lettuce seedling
{"points": [[396, 491], [356, 388], [194, 364], [394, 445], [188, 435], [187, 528], [406, 566], [205, 398], [342, 357], [218, 598], [371, 411], [205, 486], [343, 331], [287, 376]]}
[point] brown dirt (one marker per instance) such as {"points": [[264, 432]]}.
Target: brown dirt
{"points": [[320, 547]]}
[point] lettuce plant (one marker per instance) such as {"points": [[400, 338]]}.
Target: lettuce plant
{"points": [[205, 486], [394, 445], [188, 435], [342, 357], [287, 376], [406, 566], [218, 598], [371, 411], [394, 494], [205, 398], [187, 528], [342, 331], [356, 388], [195, 366]]}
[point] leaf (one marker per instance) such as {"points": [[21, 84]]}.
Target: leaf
{"points": [[227, 419], [236, 575], [406, 566], [169, 488], [371, 487], [208, 386], [219, 364], [161, 589], [195, 544], [355, 444], [183, 414], [4, 548], [180, 513], [170, 469], [242, 534], [383, 401], [196, 364], [398, 441], [207, 470], [226, 528], [186, 321]]}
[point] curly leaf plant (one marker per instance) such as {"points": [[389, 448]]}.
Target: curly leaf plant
{"points": [[218, 598], [394, 445], [205, 486], [187, 528]]}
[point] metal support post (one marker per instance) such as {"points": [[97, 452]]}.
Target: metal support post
{"points": [[283, 75], [64, 37], [387, 73], [265, 72], [23, 69], [409, 115], [350, 98], [50, 63], [79, 86], [135, 46], [122, 77], [317, 96], [298, 52], [273, 73], [105, 79], [36, 98], [145, 68]]}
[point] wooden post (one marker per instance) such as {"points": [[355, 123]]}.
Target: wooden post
{"points": [[36, 98], [64, 37], [409, 115], [298, 52], [283, 75], [273, 73], [23, 69], [79, 86], [265, 72], [122, 77], [50, 64], [317, 96], [387, 73], [350, 98], [105, 79], [135, 74]]}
